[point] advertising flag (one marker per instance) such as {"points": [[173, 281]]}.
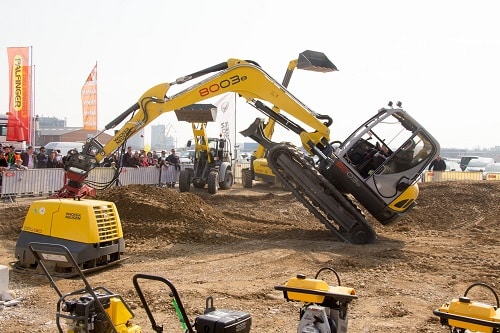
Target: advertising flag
{"points": [[19, 124], [89, 101], [226, 106]]}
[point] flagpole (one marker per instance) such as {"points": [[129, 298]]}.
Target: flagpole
{"points": [[32, 99], [96, 100], [235, 130]]}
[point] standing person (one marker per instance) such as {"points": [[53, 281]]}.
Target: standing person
{"points": [[29, 158], [162, 158], [52, 162], [10, 155], [41, 159], [438, 166], [128, 158], [173, 159]]}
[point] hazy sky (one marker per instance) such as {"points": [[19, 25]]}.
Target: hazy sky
{"points": [[440, 58]]}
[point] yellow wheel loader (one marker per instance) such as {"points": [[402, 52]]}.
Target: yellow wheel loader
{"points": [[212, 164]]}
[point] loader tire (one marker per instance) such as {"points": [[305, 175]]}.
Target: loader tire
{"points": [[228, 180], [246, 177], [213, 182], [184, 181]]}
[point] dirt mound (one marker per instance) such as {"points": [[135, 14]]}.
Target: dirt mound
{"points": [[165, 215], [465, 206], [237, 244]]}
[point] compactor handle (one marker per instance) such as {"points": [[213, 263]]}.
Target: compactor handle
{"points": [[156, 327], [328, 269], [482, 284]]}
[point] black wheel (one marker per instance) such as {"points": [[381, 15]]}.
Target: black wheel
{"points": [[359, 236], [246, 177], [199, 182], [213, 182], [228, 180], [184, 181]]}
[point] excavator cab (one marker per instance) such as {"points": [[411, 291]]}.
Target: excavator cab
{"points": [[388, 153]]}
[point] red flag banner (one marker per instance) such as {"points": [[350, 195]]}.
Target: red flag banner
{"points": [[19, 124], [89, 101]]}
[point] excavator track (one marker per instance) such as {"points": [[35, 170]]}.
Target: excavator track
{"points": [[323, 200]]}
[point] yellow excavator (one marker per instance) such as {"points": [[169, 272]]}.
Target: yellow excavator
{"points": [[259, 169], [378, 166]]}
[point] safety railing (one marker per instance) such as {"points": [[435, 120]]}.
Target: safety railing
{"points": [[38, 182]]}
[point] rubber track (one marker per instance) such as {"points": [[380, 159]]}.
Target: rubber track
{"points": [[323, 200]]}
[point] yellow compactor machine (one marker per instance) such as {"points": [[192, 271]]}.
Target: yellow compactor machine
{"points": [[90, 229]]}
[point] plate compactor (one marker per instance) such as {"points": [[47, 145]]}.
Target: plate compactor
{"points": [[325, 307], [465, 315], [90, 229], [98, 310]]}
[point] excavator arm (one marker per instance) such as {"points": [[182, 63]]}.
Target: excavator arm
{"points": [[246, 78]]}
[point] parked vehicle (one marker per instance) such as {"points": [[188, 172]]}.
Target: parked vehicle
{"points": [[491, 169], [452, 166], [464, 161], [63, 147], [479, 164]]}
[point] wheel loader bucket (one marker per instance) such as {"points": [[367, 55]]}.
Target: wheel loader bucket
{"points": [[315, 61], [197, 113]]}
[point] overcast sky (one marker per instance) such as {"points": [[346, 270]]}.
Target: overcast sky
{"points": [[440, 58]]}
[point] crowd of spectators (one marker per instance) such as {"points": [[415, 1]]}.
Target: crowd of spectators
{"points": [[141, 158], [30, 159]]}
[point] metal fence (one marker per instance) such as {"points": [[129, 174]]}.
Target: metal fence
{"points": [[38, 182]]}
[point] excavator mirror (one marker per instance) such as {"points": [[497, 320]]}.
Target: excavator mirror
{"points": [[221, 144], [315, 61], [188, 144]]}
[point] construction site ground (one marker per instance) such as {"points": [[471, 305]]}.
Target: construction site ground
{"points": [[239, 244]]}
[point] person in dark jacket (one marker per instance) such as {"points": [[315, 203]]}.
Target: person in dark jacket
{"points": [[41, 159], [438, 164], [53, 162]]}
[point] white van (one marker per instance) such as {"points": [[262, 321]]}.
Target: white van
{"points": [[479, 164], [63, 147]]}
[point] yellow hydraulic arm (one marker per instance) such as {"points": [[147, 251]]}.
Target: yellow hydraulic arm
{"points": [[243, 77], [309, 61]]}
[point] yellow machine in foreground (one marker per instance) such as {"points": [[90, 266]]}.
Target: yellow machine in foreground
{"points": [[465, 315], [99, 310], [90, 229], [325, 307]]}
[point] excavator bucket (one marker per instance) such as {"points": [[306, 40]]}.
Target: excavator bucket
{"points": [[315, 61], [197, 113]]}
